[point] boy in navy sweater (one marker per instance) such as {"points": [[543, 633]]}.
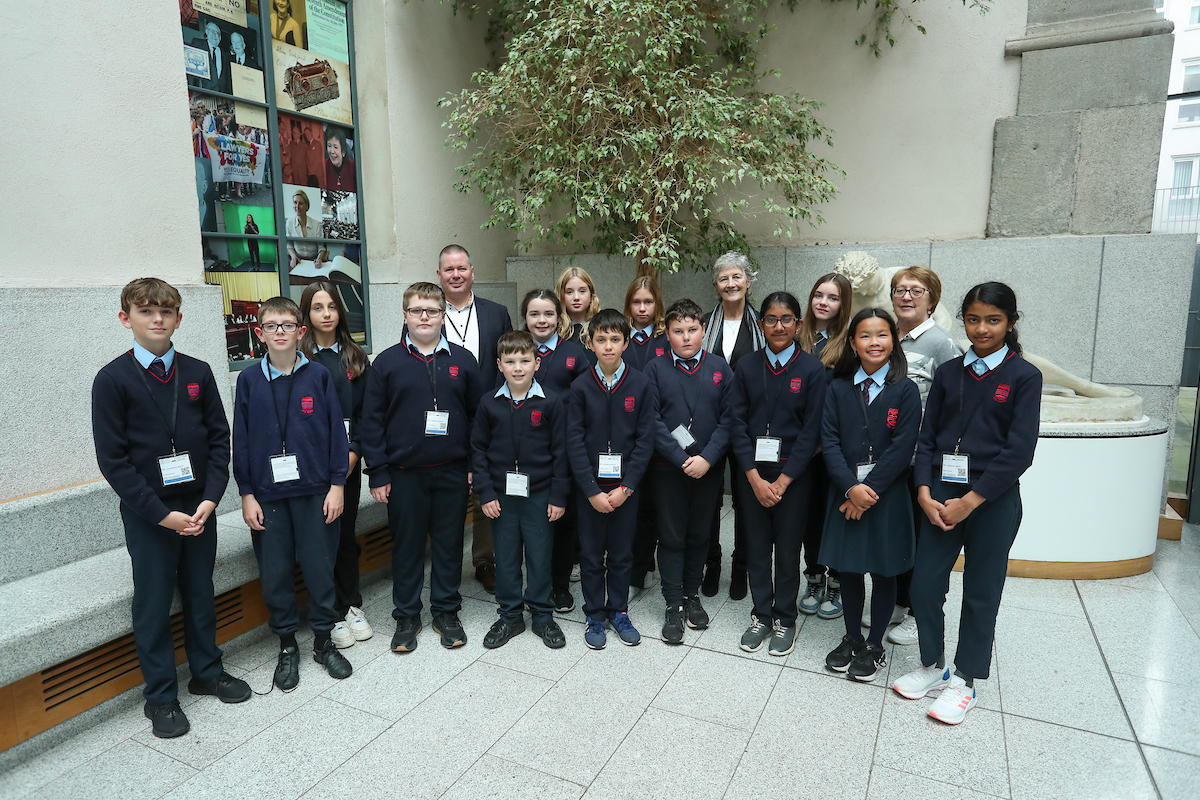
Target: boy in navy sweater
{"points": [[416, 426], [520, 471], [162, 443], [290, 459], [692, 434], [610, 438]]}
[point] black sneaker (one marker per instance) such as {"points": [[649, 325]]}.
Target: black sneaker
{"points": [[737, 584], [287, 671], [227, 688], [501, 632], [839, 658], [672, 630], [697, 617], [551, 635], [712, 580], [332, 660], [450, 629], [168, 720], [564, 602], [867, 663], [404, 640]]}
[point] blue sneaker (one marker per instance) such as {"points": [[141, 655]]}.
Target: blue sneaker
{"points": [[624, 628], [594, 636]]}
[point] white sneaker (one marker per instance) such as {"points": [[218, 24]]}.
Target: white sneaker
{"points": [[905, 633], [575, 574], [341, 636], [898, 614], [360, 629], [952, 705], [922, 681]]}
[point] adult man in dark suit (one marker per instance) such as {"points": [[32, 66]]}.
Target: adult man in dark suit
{"points": [[219, 78], [476, 324]]}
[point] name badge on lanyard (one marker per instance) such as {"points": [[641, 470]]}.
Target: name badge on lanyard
{"points": [[436, 423], [346, 422], [956, 468], [285, 468], [516, 484], [767, 449], [683, 436], [864, 470], [609, 465], [176, 468]]}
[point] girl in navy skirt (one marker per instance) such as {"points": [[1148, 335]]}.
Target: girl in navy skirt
{"points": [[977, 439], [868, 433]]}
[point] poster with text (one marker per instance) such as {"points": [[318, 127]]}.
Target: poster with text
{"points": [[327, 29], [235, 159], [228, 10], [311, 83]]}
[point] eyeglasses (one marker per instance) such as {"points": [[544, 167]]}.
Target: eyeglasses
{"points": [[286, 327], [916, 292], [786, 322], [432, 313]]}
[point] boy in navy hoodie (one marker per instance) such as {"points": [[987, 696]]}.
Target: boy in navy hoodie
{"points": [[290, 459], [162, 443], [520, 470], [692, 434], [610, 438], [416, 437]]}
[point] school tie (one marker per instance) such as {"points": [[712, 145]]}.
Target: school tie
{"points": [[543, 350], [640, 337], [158, 369], [688, 364], [866, 390], [978, 366]]}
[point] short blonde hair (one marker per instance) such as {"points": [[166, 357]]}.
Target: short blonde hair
{"points": [[426, 291], [149, 292], [927, 278], [304, 201]]}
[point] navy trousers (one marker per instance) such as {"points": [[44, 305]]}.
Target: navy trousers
{"points": [[686, 509], [985, 537], [427, 503], [606, 557], [523, 529], [777, 531], [566, 546], [295, 530], [347, 589], [163, 560], [738, 557], [817, 502]]}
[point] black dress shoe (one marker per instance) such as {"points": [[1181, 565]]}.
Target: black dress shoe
{"points": [[551, 635], [712, 580], [564, 602], [485, 573], [287, 671], [737, 584], [332, 660], [168, 720], [404, 640], [450, 629], [227, 688], [501, 632]]}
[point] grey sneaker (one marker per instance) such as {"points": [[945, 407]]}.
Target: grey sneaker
{"points": [[783, 640], [831, 606], [755, 636], [810, 601]]}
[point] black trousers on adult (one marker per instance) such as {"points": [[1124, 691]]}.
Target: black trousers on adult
{"points": [[685, 509], [347, 589], [522, 532], [430, 502], [904, 580], [645, 533], [566, 547], [817, 502], [163, 560], [776, 531], [739, 522], [606, 556], [295, 530], [985, 537]]}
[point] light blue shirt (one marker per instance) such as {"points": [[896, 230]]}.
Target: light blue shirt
{"points": [[335, 347], [616, 378], [551, 343], [676, 359], [443, 345], [648, 330], [273, 373], [876, 380], [989, 363], [146, 358], [535, 390], [779, 359]]}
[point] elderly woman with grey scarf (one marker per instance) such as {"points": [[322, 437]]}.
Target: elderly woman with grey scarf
{"points": [[731, 331]]}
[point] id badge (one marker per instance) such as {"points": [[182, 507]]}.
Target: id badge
{"points": [[436, 423], [176, 469], [956, 469], [516, 484], [864, 470], [284, 469], [766, 449], [684, 437], [346, 422], [609, 465]]}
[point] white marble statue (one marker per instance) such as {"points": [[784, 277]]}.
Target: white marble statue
{"points": [[1066, 397]]}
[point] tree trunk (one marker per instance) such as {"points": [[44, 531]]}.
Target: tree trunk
{"points": [[644, 268]]}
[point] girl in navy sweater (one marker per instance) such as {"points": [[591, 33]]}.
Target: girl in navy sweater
{"points": [[775, 408], [868, 432], [977, 438], [327, 341]]}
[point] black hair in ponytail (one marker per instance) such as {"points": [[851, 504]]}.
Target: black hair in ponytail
{"points": [[1000, 295]]}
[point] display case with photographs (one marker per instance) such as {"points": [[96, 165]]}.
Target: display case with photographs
{"points": [[274, 139]]}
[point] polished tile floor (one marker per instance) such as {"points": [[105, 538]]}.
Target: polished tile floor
{"points": [[1093, 693]]}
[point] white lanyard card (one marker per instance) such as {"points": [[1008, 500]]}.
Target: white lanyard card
{"points": [[864, 470], [346, 422], [956, 468], [767, 449], [516, 484], [684, 437], [609, 465], [436, 423], [176, 468], [284, 468]]}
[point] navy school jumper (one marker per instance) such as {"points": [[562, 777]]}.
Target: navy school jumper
{"points": [[559, 368], [639, 354], [537, 428]]}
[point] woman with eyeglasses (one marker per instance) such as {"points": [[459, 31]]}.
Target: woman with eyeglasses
{"points": [[775, 406]]}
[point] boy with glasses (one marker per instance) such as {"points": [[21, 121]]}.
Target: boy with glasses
{"points": [[415, 431]]}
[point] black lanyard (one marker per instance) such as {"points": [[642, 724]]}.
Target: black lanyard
{"points": [[431, 371], [962, 385], [512, 429], [866, 423], [466, 325], [610, 397], [771, 399], [275, 402], [691, 407], [170, 429]]}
